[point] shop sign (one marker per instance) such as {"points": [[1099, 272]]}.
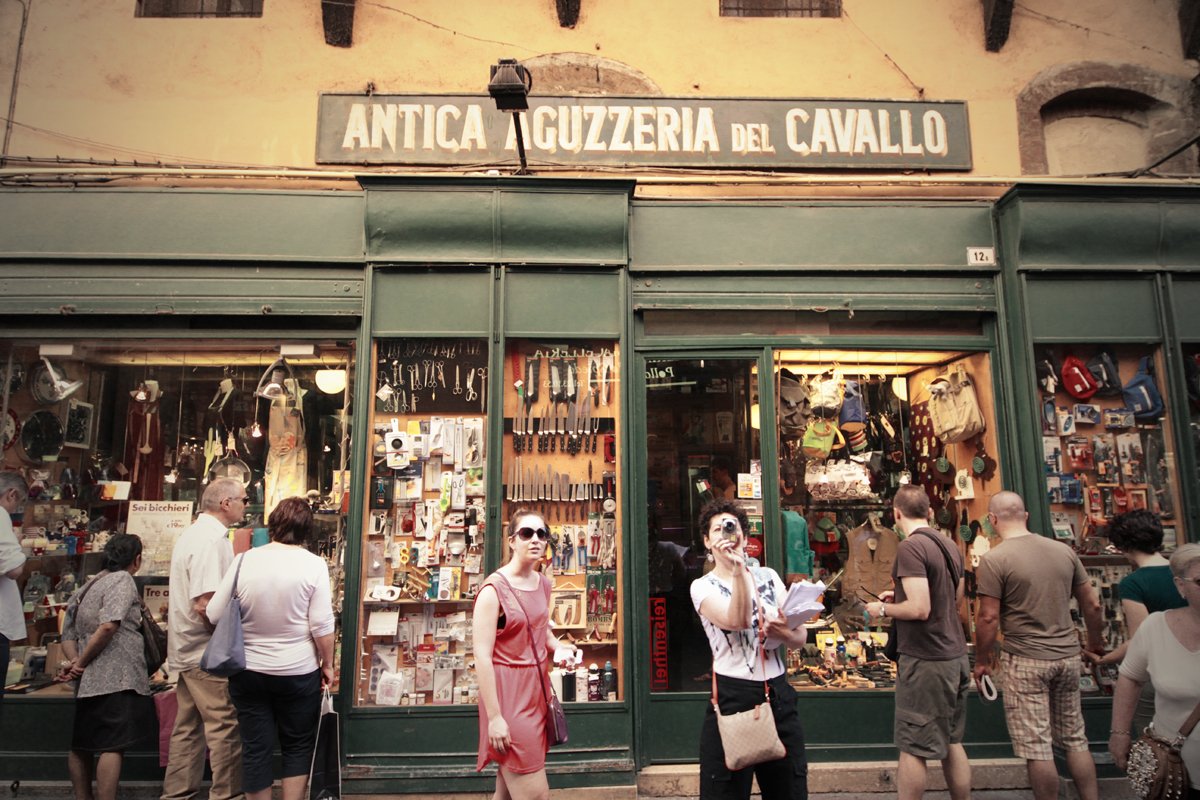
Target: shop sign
{"points": [[659, 673], [462, 130]]}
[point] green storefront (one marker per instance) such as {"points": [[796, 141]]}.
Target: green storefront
{"points": [[436, 296]]}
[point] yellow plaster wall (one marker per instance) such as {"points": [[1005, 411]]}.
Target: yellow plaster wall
{"points": [[244, 91]]}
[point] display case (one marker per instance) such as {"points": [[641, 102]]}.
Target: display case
{"points": [[425, 527], [124, 436], [562, 459]]}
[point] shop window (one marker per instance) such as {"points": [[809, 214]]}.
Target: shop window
{"points": [[1191, 371], [702, 441], [781, 8], [561, 458], [199, 8], [425, 526], [118, 436], [854, 427]]}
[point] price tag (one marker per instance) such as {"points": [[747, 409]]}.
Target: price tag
{"points": [[981, 256]]}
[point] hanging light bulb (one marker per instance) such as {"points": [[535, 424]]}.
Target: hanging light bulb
{"points": [[256, 430], [331, 381], [328, 449]]}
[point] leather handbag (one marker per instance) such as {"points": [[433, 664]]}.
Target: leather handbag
{"points": [[225, 654], [154, 641], [954, 408], [556, 717], [1156, 769], [749, 737]]}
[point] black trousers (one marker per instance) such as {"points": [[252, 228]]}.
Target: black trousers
{"points": [[784, 779]]}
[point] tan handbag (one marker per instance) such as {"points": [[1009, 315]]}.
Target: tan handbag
{"points": [[1156, 769], [749, 737], [954, 408]]}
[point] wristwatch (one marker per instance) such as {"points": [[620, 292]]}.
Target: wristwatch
{"points": [[882, 609]]}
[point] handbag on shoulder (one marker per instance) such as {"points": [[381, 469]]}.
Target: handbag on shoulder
{"points": [[225, 653], [1156, 769], [154, 641]]}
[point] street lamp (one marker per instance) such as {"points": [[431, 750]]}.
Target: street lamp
{"points": [[509, 86]]}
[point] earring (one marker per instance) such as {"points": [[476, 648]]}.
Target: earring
{"points": [[709, 557]]}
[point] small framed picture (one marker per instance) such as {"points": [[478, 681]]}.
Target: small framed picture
{"points": [[568, 608], [77, 427], [1137, 500]]}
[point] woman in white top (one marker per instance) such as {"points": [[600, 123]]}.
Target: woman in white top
{"points": [[1165, 651], [287, 623], [738, 602]]}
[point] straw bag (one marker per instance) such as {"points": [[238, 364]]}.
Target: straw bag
{"points": [[749, 737], [1156, 769]]}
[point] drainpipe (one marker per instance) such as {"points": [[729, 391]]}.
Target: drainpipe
{"points": [[12, 94]]}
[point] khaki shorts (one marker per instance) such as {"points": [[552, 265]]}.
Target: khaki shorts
{"points": [[931, 705], [1041, 703]]}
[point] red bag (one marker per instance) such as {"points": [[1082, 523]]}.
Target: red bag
{"points": [[1077, 379]]}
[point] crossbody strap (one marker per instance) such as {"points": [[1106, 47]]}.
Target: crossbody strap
{"points": [[761, 634], [945, 548], [1186, 729], [508, 587]]}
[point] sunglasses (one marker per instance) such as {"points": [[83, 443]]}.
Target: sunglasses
{"points": [[245, 499], [528, 533]]}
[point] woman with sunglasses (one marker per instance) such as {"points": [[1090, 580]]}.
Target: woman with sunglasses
{"points": [[513, 644], [738, 603]]}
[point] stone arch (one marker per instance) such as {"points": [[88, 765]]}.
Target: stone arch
{"points": [[584, 73], [1166, 105]]}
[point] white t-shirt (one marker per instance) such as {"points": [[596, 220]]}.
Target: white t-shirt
{"points": [[736, 653], [1156, 655], [12, 617], [286, 604], [201, 556]]}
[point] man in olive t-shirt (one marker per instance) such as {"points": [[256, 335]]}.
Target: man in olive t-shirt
{"points": [[1025, 586]]}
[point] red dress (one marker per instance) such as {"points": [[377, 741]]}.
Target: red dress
{"points": [[522, 701]]}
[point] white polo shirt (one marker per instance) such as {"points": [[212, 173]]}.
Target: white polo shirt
{"points": [[201, 556], [12, 618]]}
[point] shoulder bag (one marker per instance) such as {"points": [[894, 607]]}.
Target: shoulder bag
{"points": [[750, 737], [225, 653], [556, 718], [1156, 769]]}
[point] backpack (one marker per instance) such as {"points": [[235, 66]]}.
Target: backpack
{"points": [[1047, 374], [825, 395], [794, 411], [953, 407], [819, 438], [1108, 377], [1141, 394], [1077, 380], [853, 416]]}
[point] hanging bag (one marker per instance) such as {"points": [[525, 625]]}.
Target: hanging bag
{"points": [[225, 653], [794, 410], [819, 438], [1141, 394], [1156, 769], [853, 416], [1108, 376], [750, 737], [825, 395], [1077, 379], [154, 641], [954, 408], [556, 717], [325, 772]]}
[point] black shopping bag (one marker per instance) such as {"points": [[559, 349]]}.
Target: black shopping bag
{"points": [[325, 775]]}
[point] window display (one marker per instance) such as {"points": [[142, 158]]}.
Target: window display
{"points": [[561, 459], [121, 436], [423, 536]]}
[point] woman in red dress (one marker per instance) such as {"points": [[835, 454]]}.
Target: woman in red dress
{"points": [[513, 645]]}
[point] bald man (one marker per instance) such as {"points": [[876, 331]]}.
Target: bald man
{"points": [[1025, 586]]}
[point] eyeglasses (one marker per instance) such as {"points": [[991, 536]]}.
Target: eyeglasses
{"points": [[1194, 581], [528, 533], [245, 499]]}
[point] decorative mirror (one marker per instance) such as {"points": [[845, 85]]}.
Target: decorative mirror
{"points": [[41, 437]]}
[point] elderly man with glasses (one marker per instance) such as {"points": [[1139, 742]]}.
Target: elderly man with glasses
{"points": [[206, 714]]}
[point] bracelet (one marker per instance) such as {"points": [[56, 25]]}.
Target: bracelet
{"points": [[1115, 732]]}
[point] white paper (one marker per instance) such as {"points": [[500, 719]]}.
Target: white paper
{"points": [[383, 623], [801, 604]]}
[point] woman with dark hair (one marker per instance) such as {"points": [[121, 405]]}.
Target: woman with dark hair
{"points": [[113, 709], [513, 645], [287, 624], [1149, 588], [738, 602]]}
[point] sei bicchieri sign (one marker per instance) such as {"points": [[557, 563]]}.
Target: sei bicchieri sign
{"points": [[457, 130]]}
